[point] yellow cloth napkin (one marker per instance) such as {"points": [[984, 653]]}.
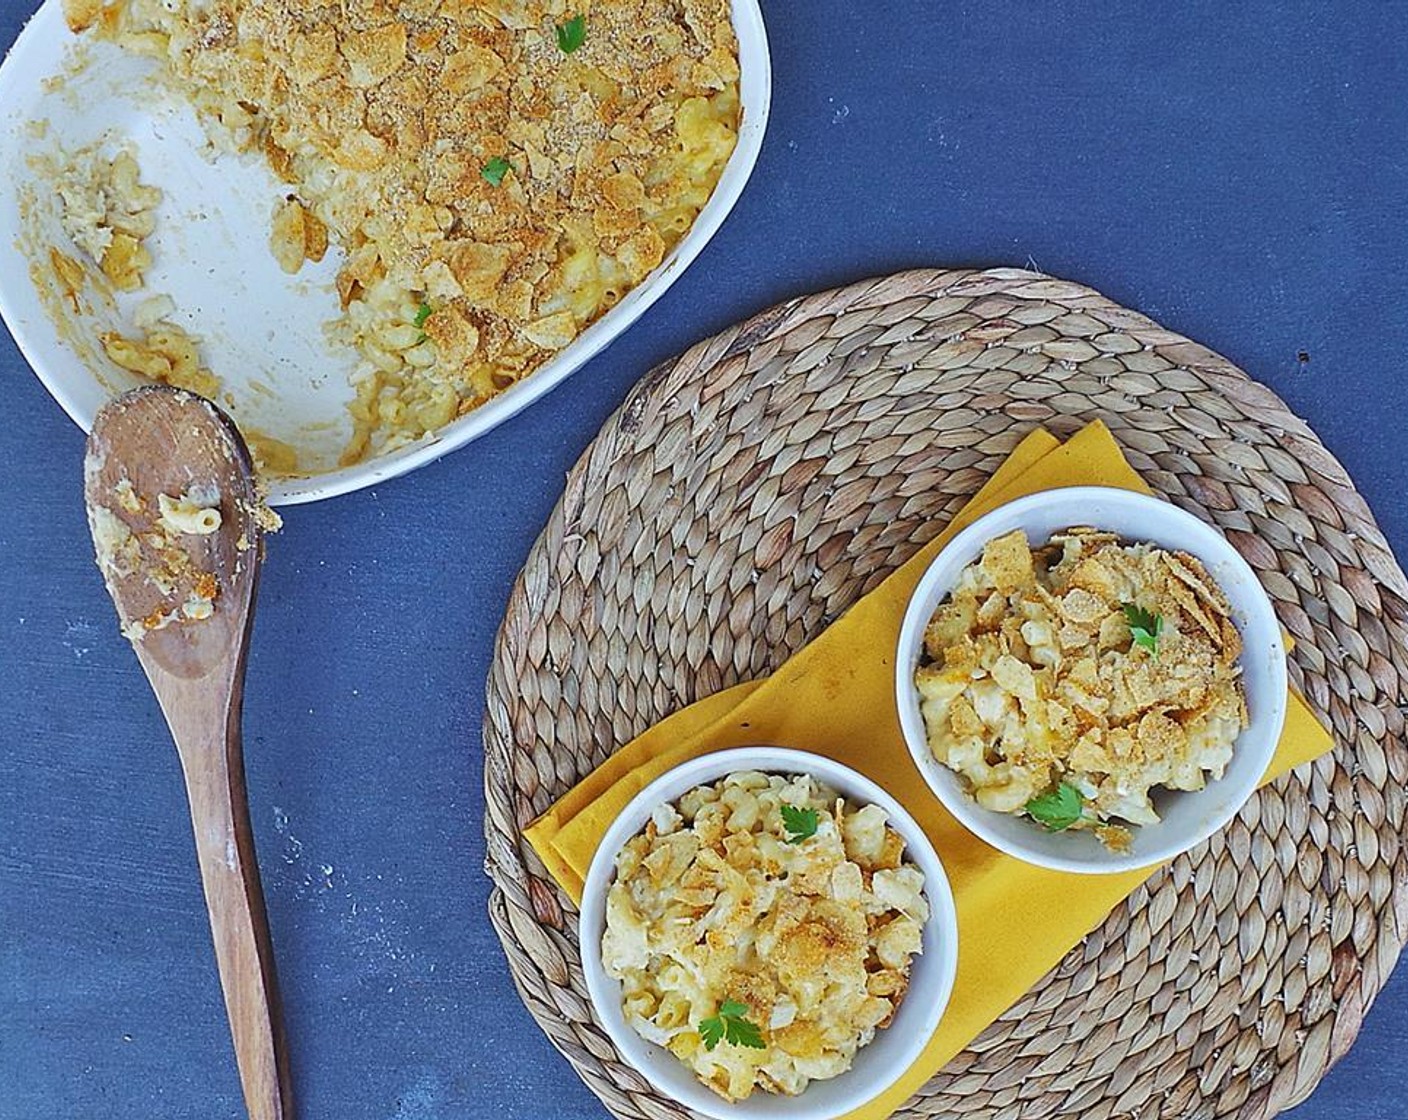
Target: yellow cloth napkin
{"points": [[836, 697]]}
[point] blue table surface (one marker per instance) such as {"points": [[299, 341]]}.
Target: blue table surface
{"points": [[1237, 171]]}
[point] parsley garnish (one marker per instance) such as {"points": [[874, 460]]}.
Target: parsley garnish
{"points": [[495, 170], [799, 823], [730, 1026], [572, 34], [1059, 809], [422, 314], [1145, 626]]}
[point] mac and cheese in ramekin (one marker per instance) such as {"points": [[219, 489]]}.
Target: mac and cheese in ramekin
{"points": [[762, 929], [1069, 681]]}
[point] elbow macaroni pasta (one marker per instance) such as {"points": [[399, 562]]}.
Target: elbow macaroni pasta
{"points": [[194, 514]]}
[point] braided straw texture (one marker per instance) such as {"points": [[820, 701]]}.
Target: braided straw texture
{"points": [[747, 493]]}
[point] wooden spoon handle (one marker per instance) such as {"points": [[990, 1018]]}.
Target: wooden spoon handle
{"points": [[230, 873]]}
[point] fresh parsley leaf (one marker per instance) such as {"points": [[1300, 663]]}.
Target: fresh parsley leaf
{"points": [[1058, 809], [572, 34], [711, 1031], [1145, 626], [799, 823], [730, 1026], [741, 1032], [495, 170], [423, 312]]}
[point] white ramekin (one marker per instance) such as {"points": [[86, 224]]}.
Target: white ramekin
{"points": [[1187, 818], [893, 1049]]}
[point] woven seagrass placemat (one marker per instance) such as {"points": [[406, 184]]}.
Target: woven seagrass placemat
{"points": [[748, 492]]}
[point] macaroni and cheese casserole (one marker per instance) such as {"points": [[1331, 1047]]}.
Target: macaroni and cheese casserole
{"points": [[762, 929], [1067, 682], [497, 174]]}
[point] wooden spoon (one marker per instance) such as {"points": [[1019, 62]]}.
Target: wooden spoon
{"points": [[161, 441]]}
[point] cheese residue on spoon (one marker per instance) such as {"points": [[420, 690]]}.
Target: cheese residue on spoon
{"points": [[159, 554]]}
